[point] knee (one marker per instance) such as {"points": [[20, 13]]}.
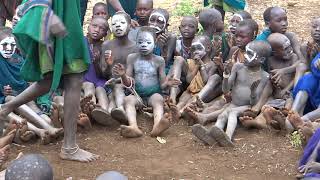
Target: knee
{"points": [[214, 78], [118, 87], [156, 98], [129, 100], [302, 67], [100, 90], [178, 61]]}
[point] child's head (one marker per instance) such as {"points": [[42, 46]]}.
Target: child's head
{"points": [[210, 19], [32, 166], [276, 19], [188, 27], [120, 24], [144, 9], [146, 40], [236, 19], [7, 43], [257, 52], [281, 46], [100, 9], [315, 29], [201, 47], [245, 33], [98, 28], [159, 20]]}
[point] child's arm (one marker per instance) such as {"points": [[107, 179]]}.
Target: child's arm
{"points": [[106, 61], [192, 73], [125, 74], [296, 46], [207, 70], [168, 45], [277, 73], [166, 82], [229, 78]]}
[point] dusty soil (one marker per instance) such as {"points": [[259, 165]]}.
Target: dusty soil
{"points": [[257, 155]]}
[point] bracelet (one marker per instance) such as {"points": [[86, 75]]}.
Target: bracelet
{"points": [[131, 83]]}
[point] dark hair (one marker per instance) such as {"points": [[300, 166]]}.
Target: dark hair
{"points": [[32, 166], [148, 0], [126, 15], [267, 14], [263, 48], [149, 30], [205, 39], [191, 17], [162, 11], [248, 23], [104, 5], [276, 39], [209, 16], [254, 26], [244, 14], [105, 23], [5, 31]]}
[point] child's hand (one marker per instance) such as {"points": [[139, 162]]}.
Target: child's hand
{"points": [[173, 82], [96, 56], [134, 23], [276, 75], [108, 57], [227, 66], [163, 39], [218, 61], [119, 70], [7, 90], [237, 66]]}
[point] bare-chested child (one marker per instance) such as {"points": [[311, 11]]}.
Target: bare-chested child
{"points": [[276, 21], [281, 99], [200, 69], [165, 41], [244, 34], [94, 83], [145, 76], [144, 9], [113, 52], [246, 82], [13, 84]]}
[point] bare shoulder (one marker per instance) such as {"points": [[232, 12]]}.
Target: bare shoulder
{"points": [[106, 44], [132, 57], [291, 36], [158, 60]]}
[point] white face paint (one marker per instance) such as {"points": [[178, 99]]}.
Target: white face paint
{"points": [[250, 54], [198, 50], [234, 21], [288, 50], [145, 43], [7, 47], [119, 25], [157, 21]]}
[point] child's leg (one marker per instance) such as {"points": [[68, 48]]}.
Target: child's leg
{"points": [[102, 98], [212, 89], [89, 90], [132, 130], [195, 117], [223, 118], [112, 104], [36, 109], [233, 119], [161, 121], [70, 150], [300, 102], [184, 98], [300, 70], [119, 113], [178, 66]]}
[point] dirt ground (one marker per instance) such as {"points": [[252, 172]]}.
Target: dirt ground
{"points": [[257, 155]]}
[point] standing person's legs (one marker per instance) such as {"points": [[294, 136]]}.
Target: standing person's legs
{"points": [[70, 150], [83, 9]]}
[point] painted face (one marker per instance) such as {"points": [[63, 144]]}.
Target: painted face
{"points": [[243, 36], [100, 11], [234, 21], [97, 29], [144, 10], [287, 50], [188, 28], [7, 47], [315, 30], [145, 43], [251, 57], [278, 21], [158, 22], [120, 25], [198, 50]]}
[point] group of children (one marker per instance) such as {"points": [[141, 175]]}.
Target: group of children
{"points": [[220, 75]]}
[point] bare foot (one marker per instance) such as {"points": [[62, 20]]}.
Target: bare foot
{"points": [[77, 154], [4, 154], [120, 115], [247, 121], [203, 134], [27, 136], [200, 104], [250, 113], [306, 132], [130, 132], [295, 119], [55, 116], [221, 137], [55, 132], [258, 122], [45, 137], [174, 111], [84, 121], [163, 125], [86, 105], [101, 116], [5, 140], [193, 117], [275, 118]]}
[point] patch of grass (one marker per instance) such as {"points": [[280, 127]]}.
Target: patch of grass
{"points": [[185, 8], [295, 139]]}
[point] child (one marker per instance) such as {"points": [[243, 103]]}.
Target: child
{"points": [[113, 52], [68, 57], [143, 12], [145, 72], [165, 41], [100, 9], [245, 82], [93, 85], [282, 59]]}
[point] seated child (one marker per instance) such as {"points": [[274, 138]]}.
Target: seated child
{"points": [[113, 52], [144, 9], [145, 73], [200, 69], [100, 9], [312, 48], [279, 92], [13, 84], [94, 83], [246, 82], [276, 21], [165, 41], [188, 29]]}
